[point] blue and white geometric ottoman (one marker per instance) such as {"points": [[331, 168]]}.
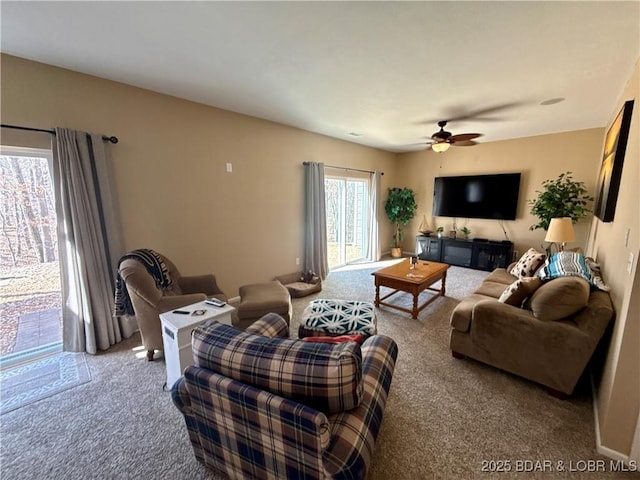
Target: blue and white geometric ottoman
{"points": [[337, 317]]}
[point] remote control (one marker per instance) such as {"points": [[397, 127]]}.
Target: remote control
{"points": [[215, 302], [182, 312]]}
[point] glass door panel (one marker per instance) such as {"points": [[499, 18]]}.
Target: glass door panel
{"points": [[347, 202], [30, 299]]}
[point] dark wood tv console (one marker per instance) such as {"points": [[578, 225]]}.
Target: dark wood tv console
{"points": [[478, 254]]}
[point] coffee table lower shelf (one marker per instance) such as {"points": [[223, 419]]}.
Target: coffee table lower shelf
{"points": [[416, 309]]}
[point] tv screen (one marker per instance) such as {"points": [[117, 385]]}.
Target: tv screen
{"points": [[477, 196]]}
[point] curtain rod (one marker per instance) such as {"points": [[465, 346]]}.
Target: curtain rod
{"points": [[346, 168], [52, 132]]}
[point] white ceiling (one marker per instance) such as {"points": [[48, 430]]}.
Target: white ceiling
{"points": [[386, 70]]}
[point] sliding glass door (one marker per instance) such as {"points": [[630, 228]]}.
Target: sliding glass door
{"points": [[347, 201], [30, 298]]}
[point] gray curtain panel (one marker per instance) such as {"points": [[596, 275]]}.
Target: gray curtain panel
{"points": [[315, 221], [373, 244], [89, 240]]}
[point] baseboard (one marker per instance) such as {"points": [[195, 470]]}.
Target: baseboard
{"points": [[601, 449]]}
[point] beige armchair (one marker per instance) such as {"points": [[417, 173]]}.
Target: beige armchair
{"points": [[149, 297]]}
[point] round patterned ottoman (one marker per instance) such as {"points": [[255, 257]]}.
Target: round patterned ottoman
{"points": [[337, 317]]}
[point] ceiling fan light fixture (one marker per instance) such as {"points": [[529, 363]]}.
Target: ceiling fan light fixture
{"points": [[440, 147]]}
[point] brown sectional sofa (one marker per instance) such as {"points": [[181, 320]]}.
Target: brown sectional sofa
{"points": [[522, 340]]}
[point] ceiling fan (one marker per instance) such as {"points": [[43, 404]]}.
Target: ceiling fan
{"points": [[442, 139]]}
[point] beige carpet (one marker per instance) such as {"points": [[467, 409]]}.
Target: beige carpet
{"points": [[445, 418]]}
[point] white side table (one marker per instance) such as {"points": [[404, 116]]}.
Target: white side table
{"points": [[176, 335]]}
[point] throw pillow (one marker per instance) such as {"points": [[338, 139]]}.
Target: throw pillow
{"points": [[324, 376], [516, 293], [559, 298], [356, 337], [528, 264]]}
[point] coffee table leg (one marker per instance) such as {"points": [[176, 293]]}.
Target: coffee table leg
{"points": [[377, 295], [414, 312], [443, 288]]}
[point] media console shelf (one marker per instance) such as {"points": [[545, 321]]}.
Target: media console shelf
{"points": [[477, 254]]}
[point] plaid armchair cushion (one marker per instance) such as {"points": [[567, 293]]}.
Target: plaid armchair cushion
{"points": [[327, 377]]}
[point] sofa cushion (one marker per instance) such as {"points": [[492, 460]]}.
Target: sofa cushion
{"points": [[528, 264], [516, 293], [492, 289], [324, 376], [501, 275], [559, 298]]}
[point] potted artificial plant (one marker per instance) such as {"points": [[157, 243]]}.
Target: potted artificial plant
{"points": [[400, 208], [562, 197], [466, 232]]}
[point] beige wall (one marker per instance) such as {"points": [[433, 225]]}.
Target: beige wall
{"points": [[536, 158], [171, 181], [618, 402], [174, 194]]}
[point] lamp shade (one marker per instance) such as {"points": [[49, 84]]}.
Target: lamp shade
{"points": [[440, 147], [560, 231]]}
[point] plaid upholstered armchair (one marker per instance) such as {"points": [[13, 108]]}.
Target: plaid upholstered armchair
{"points": [[259, 405]]}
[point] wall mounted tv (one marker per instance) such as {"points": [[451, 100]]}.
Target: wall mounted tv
{"points": [[477, 196]]}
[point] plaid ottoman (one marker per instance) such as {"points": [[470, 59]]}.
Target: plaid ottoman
{"points": [[337, 317]]}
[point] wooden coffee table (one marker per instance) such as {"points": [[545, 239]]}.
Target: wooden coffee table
{"points": [[401, 278]]}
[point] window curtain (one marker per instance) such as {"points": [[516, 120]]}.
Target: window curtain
{"points": [[373, 244], [315, 226], [89, 242]]}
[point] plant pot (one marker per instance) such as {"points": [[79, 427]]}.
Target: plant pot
{"points": [[396, 252]]}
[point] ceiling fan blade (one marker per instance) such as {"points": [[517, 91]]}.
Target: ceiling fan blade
{"points": [[464, 136], [464, 143]]}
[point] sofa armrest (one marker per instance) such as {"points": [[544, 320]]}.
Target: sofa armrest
{"points": [[200, 284], [283, 439]]}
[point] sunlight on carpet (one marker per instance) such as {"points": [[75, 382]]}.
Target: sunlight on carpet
{"points": [[28, 383]]}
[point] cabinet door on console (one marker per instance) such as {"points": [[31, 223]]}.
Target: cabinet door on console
{"points": [[456, 252], [488, 256], [481, 258], [428, 248], [502, 256]]}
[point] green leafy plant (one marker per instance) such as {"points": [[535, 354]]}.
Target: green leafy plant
{"points": [[400, 208], [465, 231], [562, 197]]}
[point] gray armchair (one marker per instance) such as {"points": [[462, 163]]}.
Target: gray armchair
{"points": [[149, 297]]}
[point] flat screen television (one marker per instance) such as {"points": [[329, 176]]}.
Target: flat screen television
{"points": [[477, 196]]}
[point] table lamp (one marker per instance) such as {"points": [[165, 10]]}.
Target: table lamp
{"points": [[560, 231]]}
